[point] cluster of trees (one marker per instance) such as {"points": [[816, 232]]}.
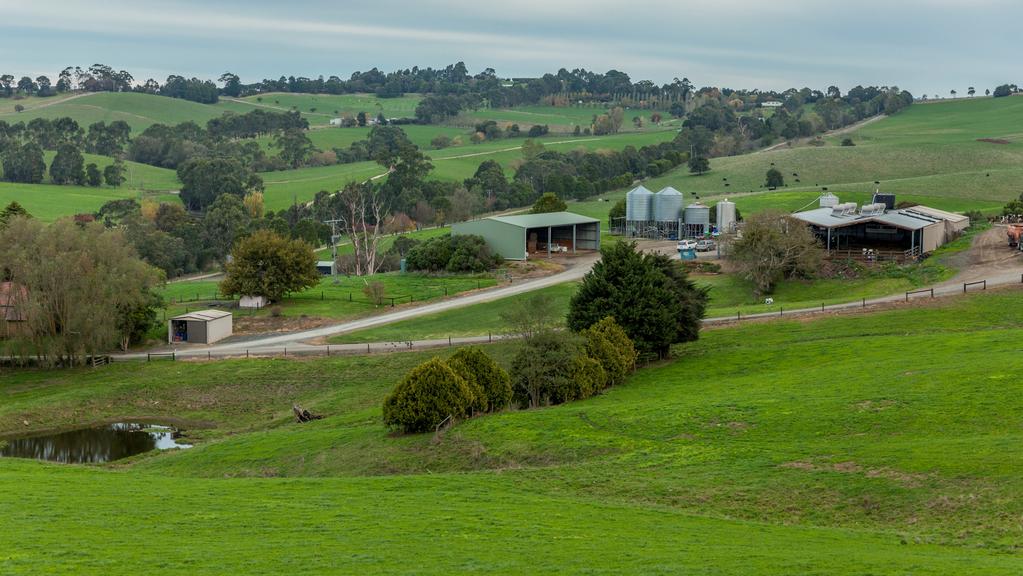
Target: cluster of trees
{"points": [[229, 136], [463, 253], [81, 289], [103, 78], [180, 242], [467, 384], [22, 148]]}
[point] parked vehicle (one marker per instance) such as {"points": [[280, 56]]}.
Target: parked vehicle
{"points": [[706, 245], [686, 245]]}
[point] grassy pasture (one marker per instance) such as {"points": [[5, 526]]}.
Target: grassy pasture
{"points": [[333, 106], [747, 454], [925, 151], [560, 118]]}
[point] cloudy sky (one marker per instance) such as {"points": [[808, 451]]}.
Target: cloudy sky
{"points": [[925, 46]]}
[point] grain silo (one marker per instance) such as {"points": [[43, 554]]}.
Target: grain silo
{"points": [[639, 205], [668, 205], [725, 216], [697, 219], [828, 200]]}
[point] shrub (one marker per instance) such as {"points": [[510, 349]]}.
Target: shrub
{"points": [[471, 254], [543, 370], [426, 396], [549, 202], [466, 253], [478, 368], [375, 291], [587, 378], [848, 142], [608, 344]]}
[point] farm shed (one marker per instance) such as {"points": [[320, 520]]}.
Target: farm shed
{"points": [[516, 237], [843, 228], [955, 224], [12, 316], [203, 327], [325, 267]]}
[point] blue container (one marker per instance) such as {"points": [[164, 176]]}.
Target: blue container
{"points": [[687, 254]]}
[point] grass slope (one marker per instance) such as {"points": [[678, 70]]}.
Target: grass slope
{"points": [[927, 150], [821, 447]]}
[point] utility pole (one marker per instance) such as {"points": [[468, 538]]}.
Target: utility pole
{"points": [[334, 237]]}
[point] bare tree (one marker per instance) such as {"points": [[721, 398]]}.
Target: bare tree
{"points": [[361, 209], [775, 246]]}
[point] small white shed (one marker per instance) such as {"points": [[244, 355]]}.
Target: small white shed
{"points": [[202, 327], [256, 302]]}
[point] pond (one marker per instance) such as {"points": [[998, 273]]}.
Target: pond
{"points": [[93, 445]]}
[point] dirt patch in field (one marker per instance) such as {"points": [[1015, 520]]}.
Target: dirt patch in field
{"points": [[247, 325], [994, 140]]}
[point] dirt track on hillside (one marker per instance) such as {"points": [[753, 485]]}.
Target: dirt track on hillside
{"points": [[987, 257]]}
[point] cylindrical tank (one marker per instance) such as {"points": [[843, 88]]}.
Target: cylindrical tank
{"points": [[829, 200], [639, 205], [698, 214], [667, 205], [725, 216]]}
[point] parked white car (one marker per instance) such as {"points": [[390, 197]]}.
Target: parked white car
{"points": [[686, 245]]}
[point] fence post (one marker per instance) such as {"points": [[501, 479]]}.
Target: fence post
{"points": [[932, 292], [321, 294], [367, 347], [148, 357], [449, 340], [174, 356], [392, 302], [209, 355], [864, 302], [822, 306], [781, 311], [907, 296], [285, 351], [246, 353], [985, 284], [738, 315], [490, 337], [328, 350], [964, 287], [349, 296]]}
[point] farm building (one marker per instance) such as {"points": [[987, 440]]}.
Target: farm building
{"points": [[203, 327], [517, 237], [325, 267], [12, 316], [894, 233]]}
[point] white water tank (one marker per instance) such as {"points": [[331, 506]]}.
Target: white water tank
{"points": [[668, 205], [725, 216], [829, 200], [639, 205]]}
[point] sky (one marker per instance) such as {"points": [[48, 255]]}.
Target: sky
{"points": [[925, 46]]}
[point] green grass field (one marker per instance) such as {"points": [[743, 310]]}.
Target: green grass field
{"points": [[925, 151], [885, 443], [561, 118]]}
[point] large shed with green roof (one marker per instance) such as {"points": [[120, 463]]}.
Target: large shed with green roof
{"points": [[521, 236]]}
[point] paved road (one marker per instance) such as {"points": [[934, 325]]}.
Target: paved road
{"points": [[293, 341]]}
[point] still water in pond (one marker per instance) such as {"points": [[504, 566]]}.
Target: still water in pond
{"points": [[93, 445]]}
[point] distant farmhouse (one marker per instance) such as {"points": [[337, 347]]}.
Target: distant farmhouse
{"points": [[771, 104]]}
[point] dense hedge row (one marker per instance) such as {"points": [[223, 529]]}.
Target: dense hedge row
{"points": [[453, 254]]}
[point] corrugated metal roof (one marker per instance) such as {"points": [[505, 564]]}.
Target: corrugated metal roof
{"points": [[824, 218], [935, 212], [203, 315], [544, 220]]}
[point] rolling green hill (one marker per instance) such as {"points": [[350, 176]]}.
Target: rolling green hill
{"points": [[928, 150], [746, 454], [47, 201]]}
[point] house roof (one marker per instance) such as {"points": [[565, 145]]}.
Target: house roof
{"points": [[825, 218], [544, 220], [203, 315]]}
